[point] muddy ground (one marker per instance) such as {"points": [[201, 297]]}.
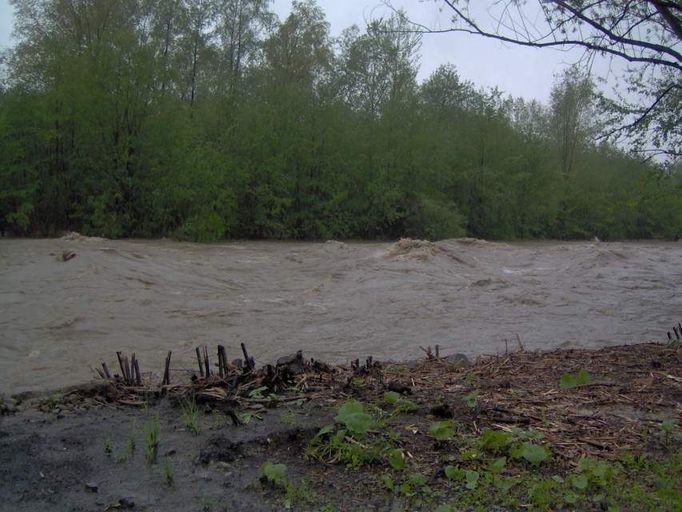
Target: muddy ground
{"points": [[86, 450]]}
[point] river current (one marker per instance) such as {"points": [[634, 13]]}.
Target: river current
{"points": [[335, 301]]}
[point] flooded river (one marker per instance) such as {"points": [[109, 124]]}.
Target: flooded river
{"points": [[335, 301]]}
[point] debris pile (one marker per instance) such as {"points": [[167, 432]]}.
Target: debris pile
{"points": [[74, 236], [583, 402], [409, 249]]}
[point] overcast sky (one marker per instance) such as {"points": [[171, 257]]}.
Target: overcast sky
{"points": [[518, 71]]}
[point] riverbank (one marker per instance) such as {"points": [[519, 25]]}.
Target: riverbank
{"points": [[569, 430]]}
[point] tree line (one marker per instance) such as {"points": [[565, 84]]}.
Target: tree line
{"points": [[212, 119]]}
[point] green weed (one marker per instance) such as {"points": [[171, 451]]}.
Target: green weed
{"points": [[151, 437], [495, 441], [572, 380], [51, 402], [401, 405], [276, 476], [353, 416], [472, 380], [396, 459], [108, 446], [129, 450], [168, 473], [532, 453], [443, 430], [248, 416], [352, 440], [288, 417], [669, 434], [190, 415], [471, 399], [258, 393]]}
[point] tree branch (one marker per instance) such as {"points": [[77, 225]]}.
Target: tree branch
{"points": [[664, 9], [474, 28], [615, 37]]}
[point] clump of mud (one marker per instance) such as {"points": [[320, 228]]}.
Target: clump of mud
{"points": [[74, 236], [409, 249]]}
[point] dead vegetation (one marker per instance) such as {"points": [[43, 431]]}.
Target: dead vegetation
{"points": [[625, 392]]}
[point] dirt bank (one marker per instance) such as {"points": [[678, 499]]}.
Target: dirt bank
{"points": [[570, 430]]}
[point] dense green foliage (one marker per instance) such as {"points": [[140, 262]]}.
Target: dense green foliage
{"points": [[205, 119]]}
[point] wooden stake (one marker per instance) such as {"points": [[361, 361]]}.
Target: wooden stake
{"points": [[248, 362], [123, 368], [222, 361], [518, 340], [106, 370], [207, 365], [201, 368], [166, 372], [136, 371], [132, 369], [129, 378]]}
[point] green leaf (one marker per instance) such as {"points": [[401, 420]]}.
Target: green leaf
{"points": [[274, 473], [406, 489], [498, 465], [580, 482], [454, 473], [401, 404], [504, 484], [406, 406], [471, 478], [388, 482], [392, 397], [532, 453], [471, 454], [668, 425], [597, 471], [571, 498], [396, 458], [494, 440], [572, 380], [327, 429], [443, 430], [417, 479], [352, 415], [471, 399]]}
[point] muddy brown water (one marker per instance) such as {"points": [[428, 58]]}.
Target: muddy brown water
{"points": [[334, 301]]}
